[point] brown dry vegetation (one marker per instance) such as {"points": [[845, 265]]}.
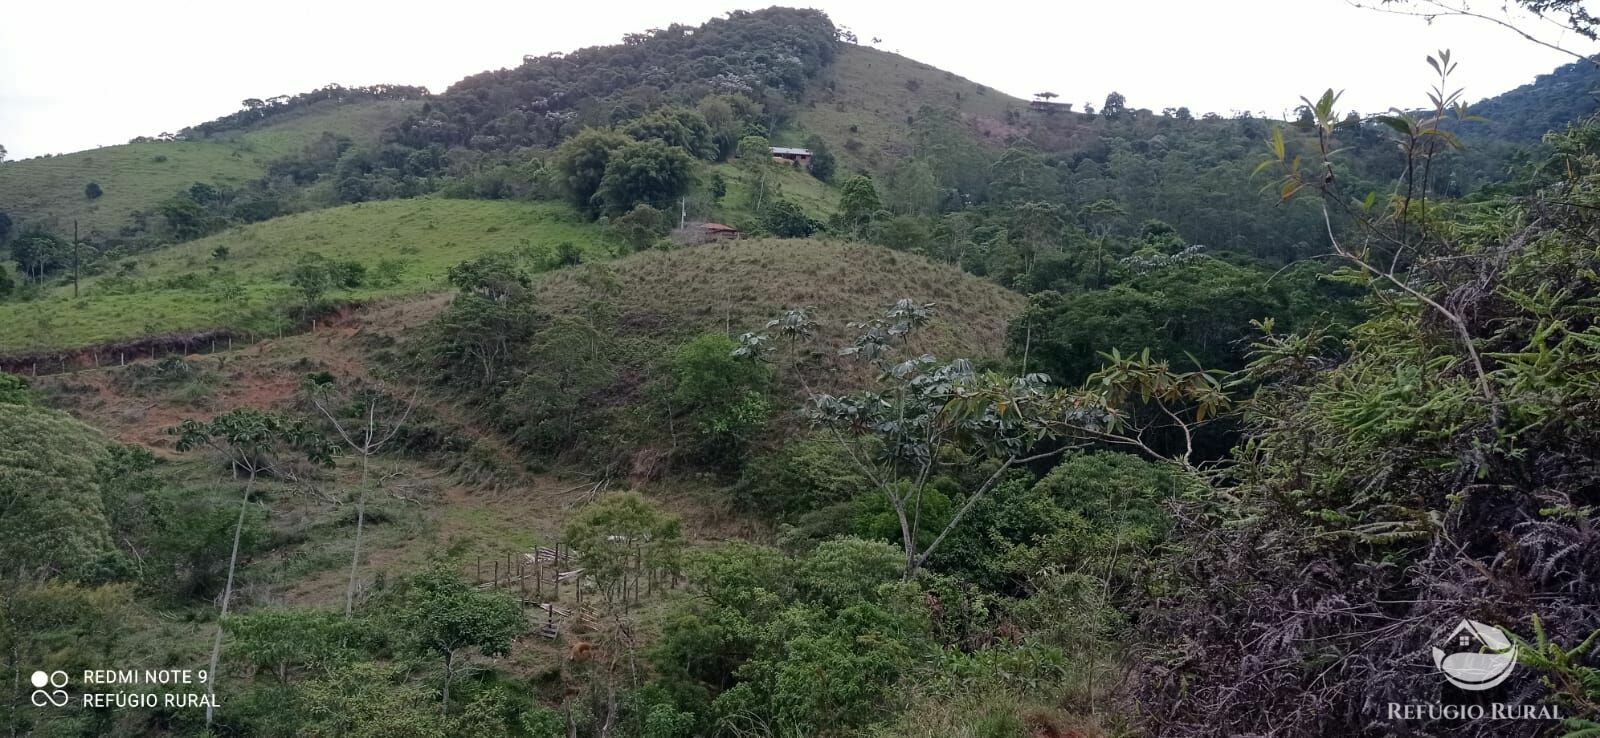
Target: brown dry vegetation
{"points": [[737, 286], [875, 92]]}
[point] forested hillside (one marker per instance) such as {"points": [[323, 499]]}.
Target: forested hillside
{"points": [[562, 403]]}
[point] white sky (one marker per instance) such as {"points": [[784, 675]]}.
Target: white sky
{"points": [[75, 75]]}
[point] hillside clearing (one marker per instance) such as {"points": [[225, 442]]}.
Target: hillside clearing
{"points": [[187, 287], [863, 106], [48, 191]]}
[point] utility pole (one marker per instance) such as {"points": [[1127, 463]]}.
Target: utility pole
{"points": [[683, 212], [74, 258]]}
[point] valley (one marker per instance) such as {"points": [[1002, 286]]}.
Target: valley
{"points": [[745, 379]]}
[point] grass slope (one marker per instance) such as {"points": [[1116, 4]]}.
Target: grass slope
{"points": [[736, 286], [861, 104], [815, 197], [48, 191], [184, 288]]}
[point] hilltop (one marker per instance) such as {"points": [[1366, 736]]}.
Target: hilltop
{"points": [[737, 286], [867, 101]]}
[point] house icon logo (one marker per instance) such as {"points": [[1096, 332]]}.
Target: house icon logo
{"points": [[1480, 657]]}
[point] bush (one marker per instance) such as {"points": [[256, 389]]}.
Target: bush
{"points": [[169, 374], [644, 172], [316, 274], [14, 390], [721, 395], [785, 219], [641, 227], [190, 538], [803, 475], [388, 273]]}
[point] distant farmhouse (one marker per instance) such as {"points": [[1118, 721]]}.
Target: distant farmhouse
{"points": [[798, 157], [718, 231], [697, 233]]}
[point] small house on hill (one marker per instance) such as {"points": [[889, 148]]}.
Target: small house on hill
{"points": [[1046, 106], [717, 231], [696, 233], [799, 157]]}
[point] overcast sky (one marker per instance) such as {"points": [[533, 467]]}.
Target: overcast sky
{"points": [[75, 75]]}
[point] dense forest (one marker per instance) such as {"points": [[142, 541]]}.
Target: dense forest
{"points": [[556, 404]]}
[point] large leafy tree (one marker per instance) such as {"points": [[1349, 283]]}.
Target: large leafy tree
{"points": [[446, 617], [1200, 307], [1022, 175], [491, 319], [39, 253], [677, 126], [368, 700], [823, 163], [926, 416], [650, 172], [622, 536], [723, 398], [912, 189], [858, 202], [580, 164], [812, 643], [755, 158]]}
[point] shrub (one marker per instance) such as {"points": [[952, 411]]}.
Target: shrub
{"points": [[786, 220], [806, 474], [14, 390], [722, 396]]}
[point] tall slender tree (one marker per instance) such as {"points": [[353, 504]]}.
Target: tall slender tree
{"points": [[251, 441], [376, 422]]}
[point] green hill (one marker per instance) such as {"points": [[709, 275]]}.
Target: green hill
{"points": [[735, 286], [866, 103], [187, 287], [49, 191], [583, 370]]}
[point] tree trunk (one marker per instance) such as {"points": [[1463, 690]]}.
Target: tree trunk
{"points": [[15, 660], [361, 519], [227, 596], [449, 673]]}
